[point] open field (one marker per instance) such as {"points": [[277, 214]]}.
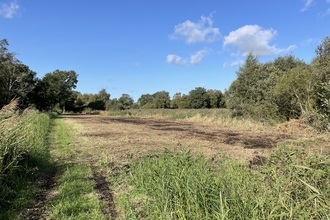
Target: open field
{"points": [[133, 137], [112, 145], [158, 167]]}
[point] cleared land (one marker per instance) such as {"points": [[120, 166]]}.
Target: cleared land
{"points": [[133, 137]]}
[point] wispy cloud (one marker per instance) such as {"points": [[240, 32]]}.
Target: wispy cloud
{"points": [[9, 11], [194, 32], [175, 60], [326, 13], [197, 57], [307, 5], [253, 38], [233, 63], [309, 41]]}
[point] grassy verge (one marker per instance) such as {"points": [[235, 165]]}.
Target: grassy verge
{"points": [[24, 156], [179, 185], [75, 197]]}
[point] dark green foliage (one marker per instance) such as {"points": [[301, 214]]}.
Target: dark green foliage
{"points": [[162, 100], [283, 89], [125, 102], [17, 81], [55, 88], [216, 98], [199, 98]]}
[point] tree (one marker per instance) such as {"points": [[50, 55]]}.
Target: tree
{"points": [[16, 79], [146, 101], [322, 89], [176, 100], [293, 93], [216, 98], [55, 88], [103, 96], [125, 102], [199, 98], [162, 99]]}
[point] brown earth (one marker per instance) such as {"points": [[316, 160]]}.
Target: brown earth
{"points": [[125, 138]]}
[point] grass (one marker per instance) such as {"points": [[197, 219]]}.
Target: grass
{"points": [[179, 185], [75, 196], [214, 116], [24, 156]]}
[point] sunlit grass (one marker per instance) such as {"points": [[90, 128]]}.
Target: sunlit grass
{"points": [[206, 116], [75, 194], [179, 185], [24, 155]]}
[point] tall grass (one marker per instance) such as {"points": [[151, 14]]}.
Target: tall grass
{"points": [[214, 116], [175, 185], [23, 152]]}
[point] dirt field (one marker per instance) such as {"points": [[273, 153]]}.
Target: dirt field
{"points": [[109, 144], [132, 137]]}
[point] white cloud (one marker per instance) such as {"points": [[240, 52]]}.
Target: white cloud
{"points": [[175, 60], [326, 13], [253, 38], [201, 31], [9, 11], [309, 41], [197, 57], [307, 5], [233, 63]]}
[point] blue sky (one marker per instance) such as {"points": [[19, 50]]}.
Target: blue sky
{"points": [[145, 46]]}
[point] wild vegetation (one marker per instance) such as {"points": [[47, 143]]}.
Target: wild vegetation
{"points": [[223, 157], [24, 155]]}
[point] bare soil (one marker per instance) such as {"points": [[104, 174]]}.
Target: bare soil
{"points": [[127, 138]]}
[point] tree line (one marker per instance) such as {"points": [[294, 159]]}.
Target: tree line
{"points": [[278, 90], [283, 89]]}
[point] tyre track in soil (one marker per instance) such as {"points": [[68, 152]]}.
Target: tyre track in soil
{"points": [[103, 188], [38, 210]]}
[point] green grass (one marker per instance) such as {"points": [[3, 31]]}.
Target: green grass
{"points": [[179, 185], [24, 155], [75, 194]]}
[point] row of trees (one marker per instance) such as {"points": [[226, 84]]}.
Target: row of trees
{"points": [[285, 88], [17, 81], [282, 89]]}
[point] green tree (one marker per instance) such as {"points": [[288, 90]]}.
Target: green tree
{"points": [[216, 98], [294, 94], [184, 102], [175, 102], [146, 101], [321, 67], [16, 79], [125, 102], [162, 100], [55, 88], [199, 98]]}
